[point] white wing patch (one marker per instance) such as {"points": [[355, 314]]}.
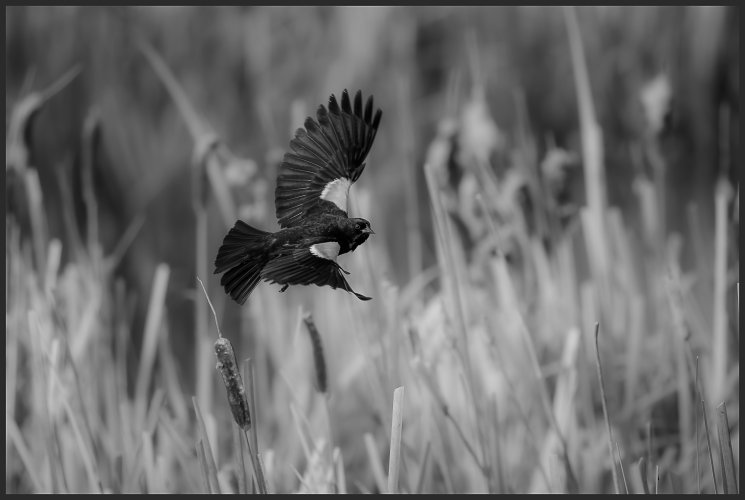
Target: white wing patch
{"points": [[337, 192], [328, 250]]}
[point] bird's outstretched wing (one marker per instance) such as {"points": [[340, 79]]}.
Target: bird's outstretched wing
{"points": [[310, 265], [325, 158]]}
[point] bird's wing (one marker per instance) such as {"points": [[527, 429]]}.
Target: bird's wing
{"points": [[311, 265], [325, 159]]}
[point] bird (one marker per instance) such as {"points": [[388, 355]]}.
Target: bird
{"points": [[324, 159]]}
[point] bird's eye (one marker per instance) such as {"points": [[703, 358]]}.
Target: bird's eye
{"points": [[358, 225]]}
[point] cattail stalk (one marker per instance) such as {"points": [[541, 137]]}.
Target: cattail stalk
{"points": [[231, 375]]}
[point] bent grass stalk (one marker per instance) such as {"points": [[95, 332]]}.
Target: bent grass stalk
{"points": [[605, 411]]}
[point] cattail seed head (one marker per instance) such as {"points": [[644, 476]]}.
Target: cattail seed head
{"points": [[228, 368], [318, 357]]}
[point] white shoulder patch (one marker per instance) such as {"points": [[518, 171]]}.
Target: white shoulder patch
{"points": [[337, 192], [328, 250]]}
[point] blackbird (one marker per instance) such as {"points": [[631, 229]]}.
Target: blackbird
{"points": [[324, 160]]}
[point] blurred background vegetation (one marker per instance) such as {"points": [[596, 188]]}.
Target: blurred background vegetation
{"points": [[664, 82]]}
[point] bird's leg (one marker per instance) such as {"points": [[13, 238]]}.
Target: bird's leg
{"points": [[285, 287]]}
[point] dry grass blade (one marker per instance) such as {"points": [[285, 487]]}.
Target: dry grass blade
{"points": [[153, 321], [91, 136], [623, 474], [83, 448], [642, 466], [209, 459], [14, 435], [720, 351], [72, 232], [133, 229], [729, 471], [605, 411], [425, 461], [374, 457], [394, 457], [255, 455], [16, 154], [202, 459], [188, 113], [341, 479], [40, 231], [592, 141], [242, 472], [698, 465], [657, 480], [708, 446]]}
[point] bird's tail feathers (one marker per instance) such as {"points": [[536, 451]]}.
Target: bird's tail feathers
{"points": [[242, 256]]}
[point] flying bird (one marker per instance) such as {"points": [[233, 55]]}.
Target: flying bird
{"points": [[325, 158]]}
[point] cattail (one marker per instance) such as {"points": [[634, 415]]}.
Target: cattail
{"points": [[228, 368], [231, 376], [318, 358]]}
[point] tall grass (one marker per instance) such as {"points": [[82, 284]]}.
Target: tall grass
{"points": [[482, 372]]}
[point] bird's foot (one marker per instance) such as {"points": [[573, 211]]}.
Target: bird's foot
{"points": [[285, 287]]}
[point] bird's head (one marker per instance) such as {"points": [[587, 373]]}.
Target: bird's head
{"points": [[362, 231]]}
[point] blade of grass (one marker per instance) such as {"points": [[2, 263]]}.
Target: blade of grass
{"points": [[83, 447], [424, 468], [260, 479], [341, 479], [657, 480], [39, 230], [148, 458], [605, 411], [211, 466], [243, 477], [201, 458], [112, 261], [394, 457], [70, 223], [698, 465], [32, 469], [90, 137], [708, 446], [729, 471], [155, 314], [719, 364], [374, 457], [642, 466], [592, 143], [623, 474]]}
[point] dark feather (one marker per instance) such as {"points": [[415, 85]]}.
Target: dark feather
{"points": [[301, 267], [331, 147], [242, 255]]}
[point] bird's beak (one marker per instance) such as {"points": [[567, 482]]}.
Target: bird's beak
{"points": [[368, 230]]}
